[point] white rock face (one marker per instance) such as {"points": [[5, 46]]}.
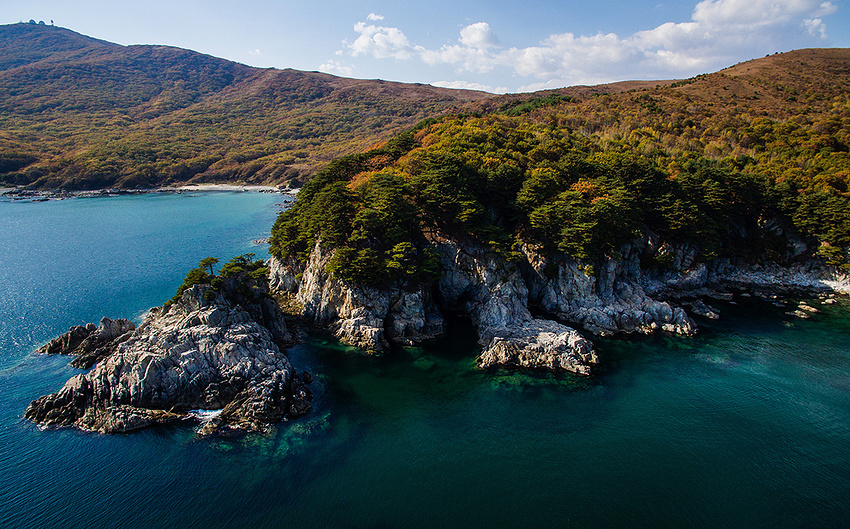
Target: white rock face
{"points": [[614, 302], [368, 318]]}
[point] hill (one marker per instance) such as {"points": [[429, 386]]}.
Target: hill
{"points": [[750, 163], [80, 113], [710, 114]]}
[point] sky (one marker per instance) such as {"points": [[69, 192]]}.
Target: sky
{"points": [[504, 47]]}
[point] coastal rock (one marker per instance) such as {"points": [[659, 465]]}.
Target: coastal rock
{"points": [[69, 341], [89, 343], [699, 308], [494, 295], [769, 279], [540, 344], [473, 282], [364, 317], [610, 302], [202, 352], [284, 274], [644, 290]]}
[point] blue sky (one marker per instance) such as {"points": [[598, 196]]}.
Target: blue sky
{"points": [[511, 47]]}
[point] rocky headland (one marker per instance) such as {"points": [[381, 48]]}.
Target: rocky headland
{"points": [[210, 349]]}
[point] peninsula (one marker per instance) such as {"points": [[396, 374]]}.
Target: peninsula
{"points": [[545, 218]]}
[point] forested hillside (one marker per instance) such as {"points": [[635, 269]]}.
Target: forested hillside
{"points": [[749, 150], [581, 172], [80, 113]]}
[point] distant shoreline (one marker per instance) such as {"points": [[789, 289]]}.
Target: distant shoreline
{"points": [[34, 195]]}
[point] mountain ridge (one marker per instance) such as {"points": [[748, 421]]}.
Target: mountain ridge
{"points": [[81, 113], [75, 112]]}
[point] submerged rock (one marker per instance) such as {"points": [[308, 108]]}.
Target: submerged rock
{"points": [[205, 351], [808, 308]]}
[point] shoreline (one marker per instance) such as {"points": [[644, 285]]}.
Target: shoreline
{"points": [[34, 195]]}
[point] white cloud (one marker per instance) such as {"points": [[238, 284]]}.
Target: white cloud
{"points": [[478, 35], [815, 27], [719, 33], [382, 42], [476, 60], [255, 52], [337, 68], [826, 8], [374, 18]]}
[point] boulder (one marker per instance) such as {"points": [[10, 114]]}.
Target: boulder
{"points": [[540, 344]]}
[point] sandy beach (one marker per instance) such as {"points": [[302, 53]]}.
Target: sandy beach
{"points": [[29, 194], [224, 187]]}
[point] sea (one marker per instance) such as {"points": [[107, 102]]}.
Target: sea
{"points": [[745, 425]]}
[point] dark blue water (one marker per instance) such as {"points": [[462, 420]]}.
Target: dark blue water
{"points": [[747, 425]]}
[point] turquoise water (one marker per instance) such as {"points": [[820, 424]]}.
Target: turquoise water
{"points": [[747, 425]]}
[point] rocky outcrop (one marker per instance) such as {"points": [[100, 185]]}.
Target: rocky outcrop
{"points": [[90, 343], [809, 276], [608, 302], [364, 317], [494, 294], [683, 277], [205, 351], [540, 344], [653, 286], [473, 282]]}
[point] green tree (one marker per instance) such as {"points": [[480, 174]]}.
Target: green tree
{"points": [[208, 262]]}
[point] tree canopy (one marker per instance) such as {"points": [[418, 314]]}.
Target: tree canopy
{"points": [[506, 180]]}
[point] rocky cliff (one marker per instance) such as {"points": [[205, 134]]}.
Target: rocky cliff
{"points": [[204, 351], [493, 294], [624, 295], [655, 285], [368, 318]]}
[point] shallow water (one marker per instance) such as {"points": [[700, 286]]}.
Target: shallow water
{"points": [[747, 425]]}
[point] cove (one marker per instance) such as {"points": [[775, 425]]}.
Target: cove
{"points": [[745, 425]]}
